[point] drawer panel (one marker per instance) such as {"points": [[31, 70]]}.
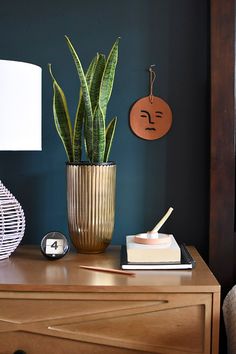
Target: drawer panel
{"points": [[37, 344], [167, 324]]}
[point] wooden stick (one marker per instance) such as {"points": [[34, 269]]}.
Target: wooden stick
{"points": [[163, 220], [108, 270]]}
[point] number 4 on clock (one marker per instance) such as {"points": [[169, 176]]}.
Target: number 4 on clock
{"points": [[54, 246]]}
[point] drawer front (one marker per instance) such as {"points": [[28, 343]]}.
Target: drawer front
{"points": [[37, 344], [115, 323]]}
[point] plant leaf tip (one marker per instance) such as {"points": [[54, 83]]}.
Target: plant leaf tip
{"points": [[67, 38]]}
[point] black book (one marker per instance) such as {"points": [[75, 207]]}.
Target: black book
{"points": [[187, 261]]}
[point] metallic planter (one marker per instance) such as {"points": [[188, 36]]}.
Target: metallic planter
{"points": [[91, 205]]}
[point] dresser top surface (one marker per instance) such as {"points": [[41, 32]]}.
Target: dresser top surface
{"points": [[28, 270]]}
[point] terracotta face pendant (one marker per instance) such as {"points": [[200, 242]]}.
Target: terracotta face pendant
{"points": [[150, 118]]}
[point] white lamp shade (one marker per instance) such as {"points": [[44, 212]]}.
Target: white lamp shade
{"points": [[20, 106]]}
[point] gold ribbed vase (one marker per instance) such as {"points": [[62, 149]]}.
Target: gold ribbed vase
{"points": [[91, 205]]}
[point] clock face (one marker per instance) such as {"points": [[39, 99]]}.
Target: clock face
{"points": [[54, 245]]}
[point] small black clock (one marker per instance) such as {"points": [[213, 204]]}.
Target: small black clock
{"points": [[54, 245]]}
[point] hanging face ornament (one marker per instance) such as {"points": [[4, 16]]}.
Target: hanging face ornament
{"points": [[150, 116]]}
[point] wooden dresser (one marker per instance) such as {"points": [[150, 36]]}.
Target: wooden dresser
{"points": [[54, 307]]}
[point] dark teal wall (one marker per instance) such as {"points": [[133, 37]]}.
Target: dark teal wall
{"points": [[151, 175]]}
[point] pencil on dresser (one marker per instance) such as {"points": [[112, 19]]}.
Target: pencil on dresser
{"points": [[107, 270]]}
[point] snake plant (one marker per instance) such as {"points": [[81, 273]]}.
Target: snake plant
{"points": [[90, 125]]}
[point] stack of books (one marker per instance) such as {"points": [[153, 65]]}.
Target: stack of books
{"points": [[159, 256]]}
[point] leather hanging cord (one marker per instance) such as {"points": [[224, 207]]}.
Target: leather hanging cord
{"points": [[152, 77]]}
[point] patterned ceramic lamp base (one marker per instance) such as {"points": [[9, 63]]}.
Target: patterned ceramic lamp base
{"points": [[12, 222]]}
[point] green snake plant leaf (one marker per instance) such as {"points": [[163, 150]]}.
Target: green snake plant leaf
{"points": [[61, 116], [86, 98], [96, 80], [94, 86], [110, 131], [98, 135], [80, 114], [108, 77]]}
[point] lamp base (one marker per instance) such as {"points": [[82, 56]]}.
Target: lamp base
{"points": [[12, 222]]}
